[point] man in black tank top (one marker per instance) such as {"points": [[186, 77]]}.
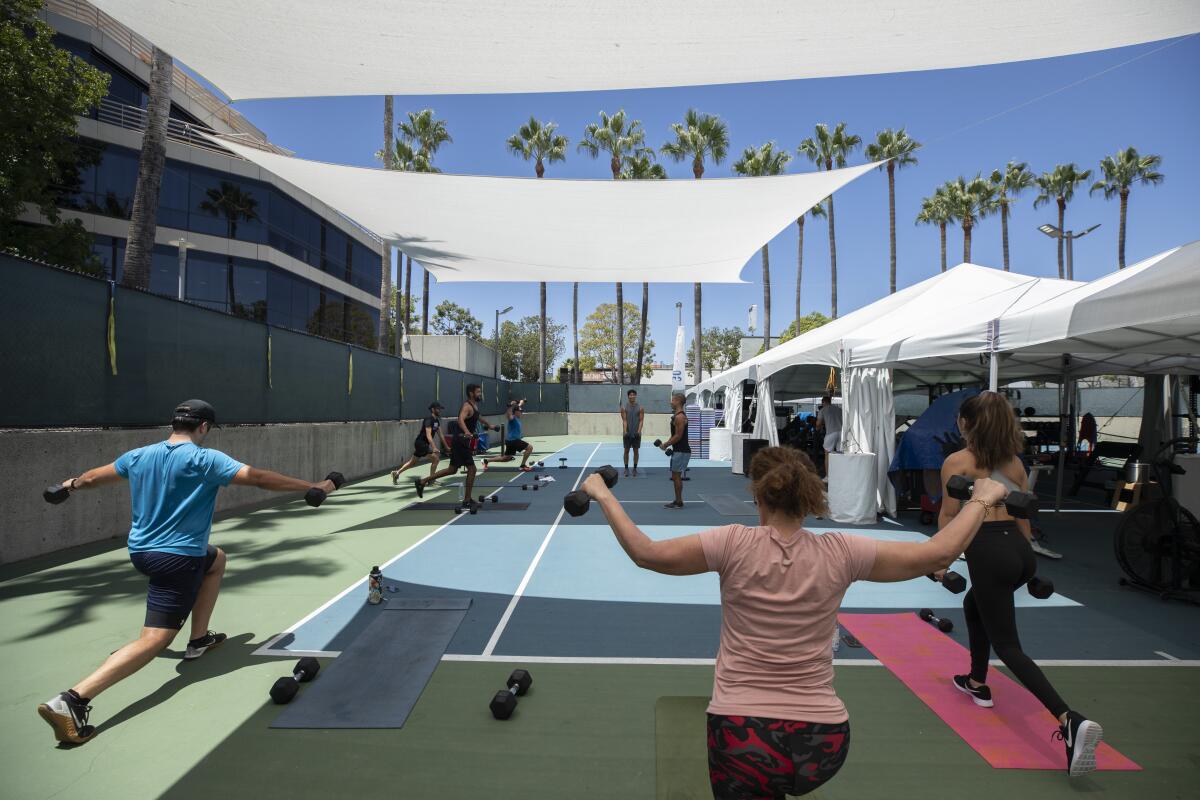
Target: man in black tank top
{"points": [[462, 443], [430, 443], [679, 443]]}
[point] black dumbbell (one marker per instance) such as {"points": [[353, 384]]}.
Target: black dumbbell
{"points": [[576, 503], [315, 496], [541, 463], [285, 689], [1021, 505], [952, 580], [943, 625], [505, 702], [56, 494], [483, 498], [562, 463], [669, 451], [1040, 587]]}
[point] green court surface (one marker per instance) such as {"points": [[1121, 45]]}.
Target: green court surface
{"points": [[587, 729]]}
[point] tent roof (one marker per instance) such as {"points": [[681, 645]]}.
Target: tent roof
{"points": [[312, 48], [1144, 319], [467, 228]]}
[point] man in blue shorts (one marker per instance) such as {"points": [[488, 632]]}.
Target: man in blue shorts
{"points": [[513, 443], [681, 450], [173, 489]]}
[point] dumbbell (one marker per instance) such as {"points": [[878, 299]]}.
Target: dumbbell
{"points": [[483, 498], [954, 582], [1021, 505], [1040, 587], [472, 507], [505, 702], [541, 463], [285, 689], [315, 496], [576, 503], [562, 463], [56, 494], [943, 625], [669, 451]]}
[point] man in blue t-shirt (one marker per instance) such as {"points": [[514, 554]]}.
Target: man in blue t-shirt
{"points": [[173, 489], [513, 443]]}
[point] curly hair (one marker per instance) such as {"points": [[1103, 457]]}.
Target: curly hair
{"points": [[783, 479]]}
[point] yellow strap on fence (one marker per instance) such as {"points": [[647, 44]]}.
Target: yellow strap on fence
{"points": [[112, 334], [350, 381]]}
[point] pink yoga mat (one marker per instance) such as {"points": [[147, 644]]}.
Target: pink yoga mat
{"points": [[1015, 734]]}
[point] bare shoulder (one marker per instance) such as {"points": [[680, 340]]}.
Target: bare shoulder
{"points": [[960, 461]]}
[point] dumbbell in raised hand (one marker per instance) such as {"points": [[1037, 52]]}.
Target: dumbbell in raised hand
{"points": [[1041, 588], [56, 494], [315, 496], [505, 702], [576, 503], [285, 689], [1021, 505], [943, 625], [954, 582], [668, 451]]}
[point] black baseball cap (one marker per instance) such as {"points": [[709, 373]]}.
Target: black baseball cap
{"points": [[435, 404], [197, 410]]}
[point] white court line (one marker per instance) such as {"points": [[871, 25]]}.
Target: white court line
{"points": [[268, 649], [837, 662], [1167, 656], [891, 521], [512, 604]]}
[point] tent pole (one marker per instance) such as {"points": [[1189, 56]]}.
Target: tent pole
{"points": [[1062, 444], [994, 371]]}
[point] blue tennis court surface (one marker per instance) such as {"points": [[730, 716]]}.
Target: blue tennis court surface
{"points": [[543, 583]]}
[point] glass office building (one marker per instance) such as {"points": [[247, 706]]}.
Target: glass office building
{"points": [[314, 272]]}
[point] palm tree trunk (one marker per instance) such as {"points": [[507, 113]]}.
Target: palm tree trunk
{"points": [[425, 304], [799, 265], [641, 355], [698, 372], [542, 338], [1004, 232], [966, 241], [832, 264], [385, 294], [1121, 230], [389, 148], [578, 376], [891, 171], [1062, 214], [766, 262], [942, 229], [143, 221], [620, 333]]}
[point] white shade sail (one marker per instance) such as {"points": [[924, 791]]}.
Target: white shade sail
{"points": [[467, 228], [1144, 319], [313, 48]]}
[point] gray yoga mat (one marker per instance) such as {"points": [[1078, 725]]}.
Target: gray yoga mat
{"points": [[378, 679], [731, 505]]}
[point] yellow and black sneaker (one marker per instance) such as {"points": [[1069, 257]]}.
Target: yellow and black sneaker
{"points": [[67, 714]]}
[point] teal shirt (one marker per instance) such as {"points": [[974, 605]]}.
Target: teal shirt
{"points": [[514, 430], [173, 491]]}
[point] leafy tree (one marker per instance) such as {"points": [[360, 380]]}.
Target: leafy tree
{"points": [[395, 313], [759, 162], [44, 90], [807, 323], [451, 319], [721, 348], [1008, 183], [519, 343], [1121, 171], [829, 149], [1059, 185], [598, 341], [897, 148]]}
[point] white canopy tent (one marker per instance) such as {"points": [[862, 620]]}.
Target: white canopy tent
{"points": [[313, 48], [469, 228]]}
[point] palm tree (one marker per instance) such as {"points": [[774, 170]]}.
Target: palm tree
{"points": [[829, 149], [897, 148], [815, 211], [619, 138], [576, 373], [1007, 184], [235, 205], [1121, 171], [385, 254], [698, 137], [1059, 185], [428, 134], [143, 220], [757, 163], [538, 141], [970, 201], [641, 167], [935, 210], [406, 159]]}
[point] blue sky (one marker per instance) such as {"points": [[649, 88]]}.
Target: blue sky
{"points": [[1151, 104]]}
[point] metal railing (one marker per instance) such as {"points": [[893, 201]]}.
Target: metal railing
{"points": [[136, 119]]}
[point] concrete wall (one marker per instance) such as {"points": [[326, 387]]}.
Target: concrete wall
{"points": [[33, 527], [656, 426], [453, 352]]}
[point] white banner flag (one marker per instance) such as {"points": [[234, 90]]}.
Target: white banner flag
{"points": [[753, 318], [677, 370]]}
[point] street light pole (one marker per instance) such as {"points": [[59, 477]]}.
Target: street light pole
{"points": [[1069, 238], [496, 340], [184, 245]]}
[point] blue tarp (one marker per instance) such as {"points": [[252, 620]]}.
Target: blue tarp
{"points": [[921, 445]]}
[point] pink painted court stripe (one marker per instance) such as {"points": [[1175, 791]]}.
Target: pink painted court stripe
{"points": [[1015, 734]]}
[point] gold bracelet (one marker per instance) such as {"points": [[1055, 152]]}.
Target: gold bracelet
{"points": [[987, 507]]}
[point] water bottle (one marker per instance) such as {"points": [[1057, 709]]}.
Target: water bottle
{"points": [[837, 637], [375, 586]]}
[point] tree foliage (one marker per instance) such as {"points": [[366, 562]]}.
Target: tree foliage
{"points": [[722, 348], [807, 323], [451, 319], [44, 90], [519, 347], [598, 340]]}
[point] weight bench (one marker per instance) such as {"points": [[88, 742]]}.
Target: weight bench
{"points": [[1104, 457]]}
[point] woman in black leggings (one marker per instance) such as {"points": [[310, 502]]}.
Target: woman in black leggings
{"points": [[999, 561]]}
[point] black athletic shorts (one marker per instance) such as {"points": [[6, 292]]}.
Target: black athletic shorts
{"points": [[461, 452], [421, 447], [174, 583], [515, 447], [632, 440]]}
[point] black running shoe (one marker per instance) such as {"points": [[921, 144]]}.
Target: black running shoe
{"points": [[982, 695], [1082, 737], [68, 716], [198, 647], [673, 504], [420, 486]]}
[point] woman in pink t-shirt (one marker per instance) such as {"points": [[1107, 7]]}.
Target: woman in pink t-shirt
{"points": [[775, 724]]}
